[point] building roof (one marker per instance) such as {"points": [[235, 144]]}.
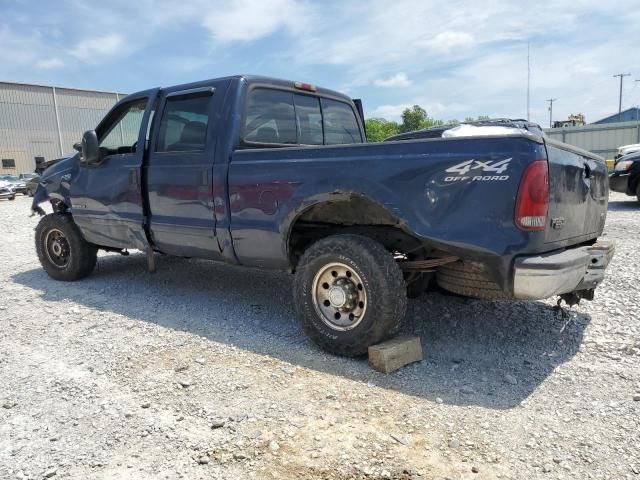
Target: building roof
{"points": [[23, 84], [629, 115]]}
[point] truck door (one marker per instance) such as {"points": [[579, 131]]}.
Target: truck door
{"points": [[106, 198], [179, 172]]}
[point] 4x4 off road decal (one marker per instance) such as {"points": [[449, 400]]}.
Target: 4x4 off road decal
{"points": [[476, 171]]}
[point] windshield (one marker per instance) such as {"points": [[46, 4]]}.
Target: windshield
{"points": [[10, 178]]}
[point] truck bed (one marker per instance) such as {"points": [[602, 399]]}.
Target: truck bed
{"points": [[469, 213]]}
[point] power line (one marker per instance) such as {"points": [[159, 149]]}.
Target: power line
{"points": [[621, 75], [551, 100]]}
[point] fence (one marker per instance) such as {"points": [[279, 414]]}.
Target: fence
{"points": [[602, 139]]}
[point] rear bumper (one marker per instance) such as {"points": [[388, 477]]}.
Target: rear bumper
{"points": [[543, 276], [619, 182]]}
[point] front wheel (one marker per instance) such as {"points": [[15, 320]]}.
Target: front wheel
{"points": [[12, 198], [63, 252], [349, 293]]}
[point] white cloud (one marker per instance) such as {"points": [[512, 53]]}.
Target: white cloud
{"points": [[399, 80], [390, 112], [49, 63], [458, 58], [92, 48], [448, 41], [246, 20], [434, 110]]}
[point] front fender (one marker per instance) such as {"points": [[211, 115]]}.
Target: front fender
{"points": [[55, 186]]}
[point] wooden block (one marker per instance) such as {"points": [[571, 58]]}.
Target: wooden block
{"points": [[395, 353]]}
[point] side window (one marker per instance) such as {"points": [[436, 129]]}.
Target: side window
{"points": [[309, 119], [122, 133], [340, 124], [270, 117], [183, 127]]}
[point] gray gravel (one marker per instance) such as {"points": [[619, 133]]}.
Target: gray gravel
{"points": [[201, 371]]}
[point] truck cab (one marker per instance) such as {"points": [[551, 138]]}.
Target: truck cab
{"points": [[158, 175]]}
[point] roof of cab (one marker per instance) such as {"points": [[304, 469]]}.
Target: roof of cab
{"points": [[257, 79]]}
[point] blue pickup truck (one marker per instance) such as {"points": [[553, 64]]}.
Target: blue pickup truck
{"points": [[277, 174]]}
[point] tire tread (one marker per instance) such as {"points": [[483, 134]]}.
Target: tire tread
{"points": [[470, 280]]}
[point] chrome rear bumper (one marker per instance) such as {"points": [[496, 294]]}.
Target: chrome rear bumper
{"points": [[543, 276]]}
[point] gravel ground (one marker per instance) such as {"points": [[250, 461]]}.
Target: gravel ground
{"points": [[201, 371]]}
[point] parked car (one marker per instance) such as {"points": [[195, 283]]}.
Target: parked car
{"points": [[627, 149], [277, 174], [6, 192], [625, 177], [17, 185], [32, 184]]}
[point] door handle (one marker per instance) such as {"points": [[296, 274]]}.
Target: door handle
{"points": [[205, 178]]}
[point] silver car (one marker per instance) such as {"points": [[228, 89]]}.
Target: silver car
{"points": [[6, 191]]}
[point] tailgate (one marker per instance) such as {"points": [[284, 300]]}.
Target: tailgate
{"points": [[578, 193]]}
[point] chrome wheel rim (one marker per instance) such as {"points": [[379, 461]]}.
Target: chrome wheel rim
{"points": [[339, 296], [57, 248]]}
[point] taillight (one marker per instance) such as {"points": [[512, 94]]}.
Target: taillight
{"points": [[305, 86], [532, 203]]}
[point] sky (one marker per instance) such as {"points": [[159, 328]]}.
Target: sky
{"points": [[456, 59]]}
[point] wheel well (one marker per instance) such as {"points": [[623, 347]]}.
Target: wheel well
{"points": [[59, 206], [354, 215]]}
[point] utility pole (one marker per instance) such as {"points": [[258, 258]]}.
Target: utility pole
{"points": [[551, 100], [621, 75], [528, 81]]}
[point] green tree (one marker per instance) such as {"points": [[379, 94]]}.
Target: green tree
{"points": [[378, 129], [416, 118]]}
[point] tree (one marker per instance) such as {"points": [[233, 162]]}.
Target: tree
{"points": [[378, 129], [416, 118]]}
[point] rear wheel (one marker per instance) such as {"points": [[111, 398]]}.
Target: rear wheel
{"points": [[63, 252], [638, 192], [349, 293], [12, 197]]}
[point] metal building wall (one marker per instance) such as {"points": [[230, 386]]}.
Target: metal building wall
{"points": [[44, 121], [602, 139]]}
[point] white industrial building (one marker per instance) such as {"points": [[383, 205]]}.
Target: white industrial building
{"points": [[41, 123]]}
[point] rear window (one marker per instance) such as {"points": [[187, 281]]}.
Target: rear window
{"points": [[270, 117], [340, 124], [309, 119], [280, 117]]}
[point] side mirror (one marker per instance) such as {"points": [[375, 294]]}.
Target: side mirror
{"points": [[77, 146], [90, 148]]}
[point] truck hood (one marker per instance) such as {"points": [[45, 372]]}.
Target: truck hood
{"points": [[64, 165]]}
